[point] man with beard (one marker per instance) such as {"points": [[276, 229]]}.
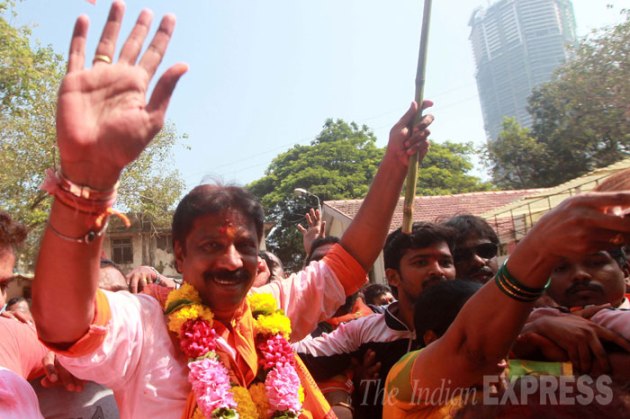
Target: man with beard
{"points": [[476, 247], [413, 262], [121, 340]]}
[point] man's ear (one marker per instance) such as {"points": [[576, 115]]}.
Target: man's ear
{"points": [[393, 277], [626, 275], [179, 251]]}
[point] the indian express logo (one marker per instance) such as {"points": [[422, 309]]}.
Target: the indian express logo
{"points": [[549, 390]]}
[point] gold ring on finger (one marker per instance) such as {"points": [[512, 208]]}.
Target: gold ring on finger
{"points": [[103, 58]]}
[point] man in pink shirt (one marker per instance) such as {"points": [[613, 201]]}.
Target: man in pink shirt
{"points": [[121, 340]]}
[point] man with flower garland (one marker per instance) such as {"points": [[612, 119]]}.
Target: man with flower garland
{"points": [[226, 353]]}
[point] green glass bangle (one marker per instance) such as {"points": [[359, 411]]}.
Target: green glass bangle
{"points": [[512, 294], [517, 284]]}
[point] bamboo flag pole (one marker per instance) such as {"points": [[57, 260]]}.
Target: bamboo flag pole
{"points": [[412, 172]]}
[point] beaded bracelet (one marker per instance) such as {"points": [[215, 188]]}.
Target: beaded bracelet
{"points": [[514, 289], [85, 200]]}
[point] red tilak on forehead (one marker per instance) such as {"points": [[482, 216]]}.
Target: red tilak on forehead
{"points": [[227, 229]]}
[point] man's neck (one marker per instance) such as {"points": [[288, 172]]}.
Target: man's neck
{"points": [[405, 313]]}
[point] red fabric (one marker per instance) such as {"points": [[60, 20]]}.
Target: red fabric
{"points": [[20, 351]]}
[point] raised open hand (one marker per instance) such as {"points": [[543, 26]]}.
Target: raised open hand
{"points": [[316, 229], [103, 118]]}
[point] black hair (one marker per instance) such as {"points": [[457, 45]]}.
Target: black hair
{"points": [[467, 225], [318, 242], [620, 255], [214, 199], [372, 291], [12, 233], [16, 300], [422, 235], [438, 306]]}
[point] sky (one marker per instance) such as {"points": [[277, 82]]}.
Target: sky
{"points": [[265, 75]]}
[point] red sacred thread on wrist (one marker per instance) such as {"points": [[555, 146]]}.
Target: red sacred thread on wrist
{"points": [[83, 198]]}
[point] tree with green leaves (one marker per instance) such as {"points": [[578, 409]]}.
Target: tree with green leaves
{"points": [[446, 170], [340, 164], [29, 81], [581, 118], [515, 157]]}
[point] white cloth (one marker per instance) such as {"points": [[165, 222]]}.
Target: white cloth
{"points": [[17, 397]]}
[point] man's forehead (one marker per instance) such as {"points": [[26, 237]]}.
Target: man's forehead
{"points": [[226, 223], [439, 249]]}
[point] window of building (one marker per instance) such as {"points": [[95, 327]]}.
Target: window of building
{"points": [[122, 251]]}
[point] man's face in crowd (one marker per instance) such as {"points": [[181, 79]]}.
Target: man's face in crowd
{"points": [[384, 299], [476, 259], [219, 258], [593, 279], [420, 268], [7, 263], [262, 273]]}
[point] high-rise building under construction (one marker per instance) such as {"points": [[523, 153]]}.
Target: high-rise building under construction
{"points": [[517, 44]]}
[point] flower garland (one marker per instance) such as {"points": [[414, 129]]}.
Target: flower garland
{"points": [[275, 393]]}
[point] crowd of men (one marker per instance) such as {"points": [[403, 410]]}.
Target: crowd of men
{"points": [[455, 333]]}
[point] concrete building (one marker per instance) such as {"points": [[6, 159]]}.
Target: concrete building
{"points": [[517, 44]]}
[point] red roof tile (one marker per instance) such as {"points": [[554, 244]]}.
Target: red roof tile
{"points": [[437, 208]]}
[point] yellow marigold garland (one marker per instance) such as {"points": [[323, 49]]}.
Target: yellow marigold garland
{"points": [[259, 398], [185, 292], [273, 324], [262, 303], [246, 407]]}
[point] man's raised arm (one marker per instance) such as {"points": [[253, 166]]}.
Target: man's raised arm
{"points": [[366, 234], [103, 124]]}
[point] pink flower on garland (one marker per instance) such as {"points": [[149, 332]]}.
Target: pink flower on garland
{"points": [[282, 385], [275, 351], [197, 338], [211, 385]]}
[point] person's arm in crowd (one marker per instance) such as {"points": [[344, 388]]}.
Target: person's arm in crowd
{"points": [[579, 338], [140, 276], [366, 234], [103, 123], [483, 332]]}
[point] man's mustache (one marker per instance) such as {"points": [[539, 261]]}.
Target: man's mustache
{"points": [[236, 275], [584, 286]]}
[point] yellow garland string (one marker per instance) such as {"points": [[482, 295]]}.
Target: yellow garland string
{"points": [[245, 406], [259, 397], [262, 303], [185, 292], [273, 324], [301, 394]]}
